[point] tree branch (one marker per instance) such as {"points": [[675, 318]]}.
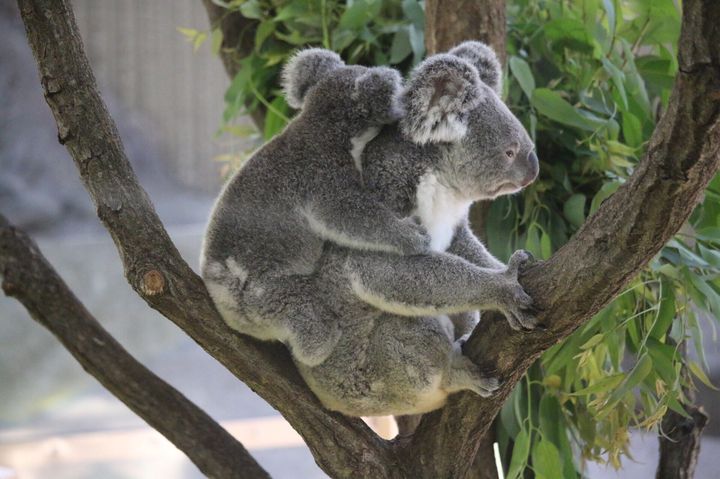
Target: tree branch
{"points": [[614, 244], [679, 436], [28, 277], [680, 444], [342, 446], [610, 249]]}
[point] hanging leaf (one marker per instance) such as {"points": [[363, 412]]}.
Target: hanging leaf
{"points": [[553, 106], [521, 451], [574, 209], [521, 71]]}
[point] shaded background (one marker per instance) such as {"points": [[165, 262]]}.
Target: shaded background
{"points": [[56, 421]]}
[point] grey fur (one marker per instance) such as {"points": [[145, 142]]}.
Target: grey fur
{"points": [[269, 225], [397, 320], [399, 353], [483, 58]]}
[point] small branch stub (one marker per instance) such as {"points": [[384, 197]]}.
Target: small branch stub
{"points": [[153, 283]]}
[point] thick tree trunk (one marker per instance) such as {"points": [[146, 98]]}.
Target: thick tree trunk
{"points": [[448, 23], [680, 443], [238, 42], [679, 436]]}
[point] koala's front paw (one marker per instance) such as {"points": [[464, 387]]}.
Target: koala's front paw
{"points": [[516, 304], [413, 239]]}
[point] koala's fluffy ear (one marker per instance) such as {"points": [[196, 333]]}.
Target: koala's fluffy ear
{"points": [[377, 94], [441, 92], [484, 59], [304, 70]]}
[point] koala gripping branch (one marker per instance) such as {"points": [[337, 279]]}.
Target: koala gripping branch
{"points": [[343, 446], [614, 244], [610, 249]]}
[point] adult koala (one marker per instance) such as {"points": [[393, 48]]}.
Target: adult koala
{"points": [[457, 143]]}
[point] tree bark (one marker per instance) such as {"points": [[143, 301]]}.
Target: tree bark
{"points": [[679, 436], [28, 277], [448, 23], [343, 446], [614, 245], [680, 443]]}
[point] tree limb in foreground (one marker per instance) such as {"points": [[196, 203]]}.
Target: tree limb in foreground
{"points": [[27, 276], [342, 446], [613, 245]]}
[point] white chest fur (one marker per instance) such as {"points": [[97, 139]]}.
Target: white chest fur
{"points": [[440, 210]]}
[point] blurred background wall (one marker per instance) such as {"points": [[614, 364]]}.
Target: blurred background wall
{"points": [[138, 55]]}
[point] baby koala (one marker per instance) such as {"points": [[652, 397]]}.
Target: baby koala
{"points": [[298, 192]]}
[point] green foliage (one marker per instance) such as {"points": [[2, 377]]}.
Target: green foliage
{"points": [[589, 79], [370, 32]]}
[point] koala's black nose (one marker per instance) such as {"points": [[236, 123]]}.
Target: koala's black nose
{"points": [[533, 169]]}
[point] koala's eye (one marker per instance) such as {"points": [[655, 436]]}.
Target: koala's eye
{"points": [[510, 154]]}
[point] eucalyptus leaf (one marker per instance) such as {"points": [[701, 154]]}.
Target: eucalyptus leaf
{"points": [[553, 106], [574, 209], [521, 71]]}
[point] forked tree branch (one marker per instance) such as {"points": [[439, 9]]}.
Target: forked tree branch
{"points": [[610, 249], [342, 446], [28, 277], [613, 245]]}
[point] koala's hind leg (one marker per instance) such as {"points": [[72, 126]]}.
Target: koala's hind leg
{"points": [[462, 374], [290, 306]]}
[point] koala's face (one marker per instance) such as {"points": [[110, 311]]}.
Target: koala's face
{"points": [[496, 156], [347, 98], [452, 100]]}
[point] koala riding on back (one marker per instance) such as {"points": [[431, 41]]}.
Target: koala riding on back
{"points": [[299, 191]]}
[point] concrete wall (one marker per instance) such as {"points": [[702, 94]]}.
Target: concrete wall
{"points": [[139, 56]]}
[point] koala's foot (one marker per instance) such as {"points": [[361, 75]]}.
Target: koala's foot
{"points": [[515, 303], [313, 335], [463, 374]]}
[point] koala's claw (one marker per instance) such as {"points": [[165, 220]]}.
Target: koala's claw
{"points": [[487, 386], [518, 261], [521, 320]]}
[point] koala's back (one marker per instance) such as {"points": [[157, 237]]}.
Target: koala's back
{"points": [[255, 220]]}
